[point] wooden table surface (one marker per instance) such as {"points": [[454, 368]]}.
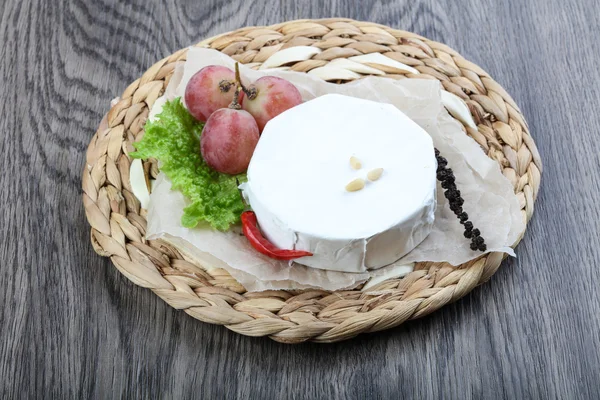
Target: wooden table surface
{"points": [[71, 326]]}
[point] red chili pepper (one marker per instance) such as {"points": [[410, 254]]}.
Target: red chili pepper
{"points": [[261, 244]]}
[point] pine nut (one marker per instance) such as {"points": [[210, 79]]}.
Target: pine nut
{"points": [[355, 163], [374, 174], [355, 185]]}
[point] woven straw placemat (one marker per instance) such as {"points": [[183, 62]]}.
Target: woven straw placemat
{"points": [[119, 224]]}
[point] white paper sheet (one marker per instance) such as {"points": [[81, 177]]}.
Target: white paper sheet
{"points": [[489, 196]]}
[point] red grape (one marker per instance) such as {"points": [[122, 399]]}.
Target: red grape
{"points": [[228, 140], [210, 89], [268, 97]]}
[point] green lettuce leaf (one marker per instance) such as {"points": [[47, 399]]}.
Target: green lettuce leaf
{"points": [[173, 138]]}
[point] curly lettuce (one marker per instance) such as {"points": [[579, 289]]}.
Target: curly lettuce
{"points": [[173, 138]]}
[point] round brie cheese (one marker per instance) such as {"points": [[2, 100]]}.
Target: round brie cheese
{"points": [[301, 166]]}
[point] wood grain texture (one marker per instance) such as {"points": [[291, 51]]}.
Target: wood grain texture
{"points": [[71, 326]]}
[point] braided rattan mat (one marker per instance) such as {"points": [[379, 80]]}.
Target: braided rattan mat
{"points": [[118, 223]]}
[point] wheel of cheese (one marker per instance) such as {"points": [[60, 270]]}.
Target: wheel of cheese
{"points": [[300, 170]]}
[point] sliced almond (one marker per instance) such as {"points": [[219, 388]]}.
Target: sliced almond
{"points": [[355, 163], [457, 108], [390, 272], [289, 55], [354, 66], [328, 73], [373, 59], [355, 185], [138, 182], [374, 174]]}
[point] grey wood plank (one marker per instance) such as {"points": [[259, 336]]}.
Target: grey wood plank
{"points": [[72, 327]]}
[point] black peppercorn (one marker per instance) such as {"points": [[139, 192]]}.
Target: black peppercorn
{"points": [[448, 182], [456, 209], [451, 194]]}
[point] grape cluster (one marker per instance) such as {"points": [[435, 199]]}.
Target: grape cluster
{"points": [[446, 176], [235, 115]]}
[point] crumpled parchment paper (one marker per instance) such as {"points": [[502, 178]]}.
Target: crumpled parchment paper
{"points": [[489, 196]]}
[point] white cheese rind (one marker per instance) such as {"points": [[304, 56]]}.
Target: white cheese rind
{"points": [[299, 170]]}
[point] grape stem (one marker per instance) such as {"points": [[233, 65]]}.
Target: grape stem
{"points": [[251, 92], [235, 104]]}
